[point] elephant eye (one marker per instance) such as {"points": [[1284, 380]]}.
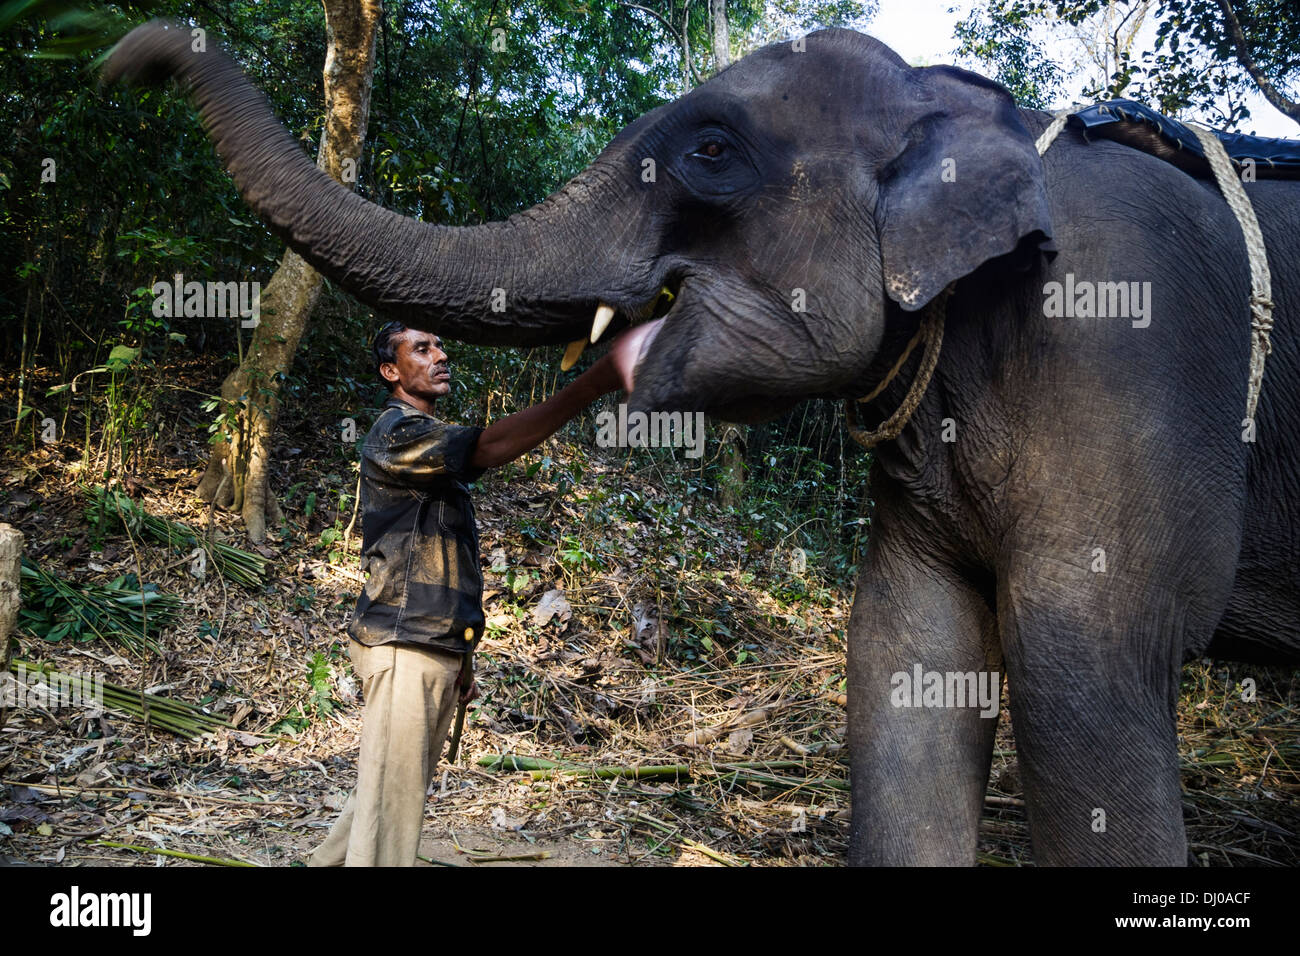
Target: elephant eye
{"points": [[714, 162], [712, 149]]}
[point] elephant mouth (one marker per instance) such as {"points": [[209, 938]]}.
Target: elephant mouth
{"points": [[641, 324], [672, 358]]}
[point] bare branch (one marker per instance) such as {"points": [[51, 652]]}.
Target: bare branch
{"points": [[678, 37], [1271, 93], [658, 16]]}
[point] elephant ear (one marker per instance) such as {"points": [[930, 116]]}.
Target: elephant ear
{"points": [[965, 187]]}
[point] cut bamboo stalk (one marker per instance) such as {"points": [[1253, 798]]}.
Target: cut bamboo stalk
{"points": [[474, 857], [710, 853], [70, 791], [610, 773], [176, 716], [211, 860]]}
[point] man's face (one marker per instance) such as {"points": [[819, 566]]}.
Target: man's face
{"points": [[421, 367]]}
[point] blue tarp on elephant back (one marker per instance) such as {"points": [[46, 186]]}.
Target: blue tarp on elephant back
{"points": [[1282, 154]]}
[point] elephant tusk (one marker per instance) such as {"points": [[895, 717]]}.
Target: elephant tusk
{"points": [[604, 316], [572, 354]]}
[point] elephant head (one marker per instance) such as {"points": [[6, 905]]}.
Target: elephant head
{"points": [[792, 203]]}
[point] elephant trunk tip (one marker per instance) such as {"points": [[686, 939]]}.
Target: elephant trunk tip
{"points": [[149, 55]]}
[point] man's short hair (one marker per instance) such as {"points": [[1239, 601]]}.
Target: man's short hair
{"points": [[385, 348]]}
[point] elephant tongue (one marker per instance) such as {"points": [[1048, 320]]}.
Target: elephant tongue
{"points": [[631, 348]]}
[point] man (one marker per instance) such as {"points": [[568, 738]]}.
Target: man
{"points": [[421, 609]]}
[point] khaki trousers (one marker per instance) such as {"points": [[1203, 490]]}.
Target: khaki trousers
{"points": [[410, 699]]}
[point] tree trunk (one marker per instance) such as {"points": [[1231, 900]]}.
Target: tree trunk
{"points": [[236, 476], [1241, 47], [721, 35], [731, 466], [11, 552]]}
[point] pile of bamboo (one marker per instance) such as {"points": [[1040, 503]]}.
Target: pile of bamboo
{"points": [[233, 564], [162, 713]]}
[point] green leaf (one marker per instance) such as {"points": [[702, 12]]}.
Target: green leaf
{"points": [[121, 357]]}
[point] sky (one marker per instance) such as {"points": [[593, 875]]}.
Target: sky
{"points": [[920, 31]]}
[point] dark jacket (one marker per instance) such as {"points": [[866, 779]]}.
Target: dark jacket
{"points": [[419, 542]]}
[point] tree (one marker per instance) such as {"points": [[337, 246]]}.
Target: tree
{"points": [[1002, 36], [236, 476], [723, 26], [1262, 37], [1205, 55], [721, 34]]}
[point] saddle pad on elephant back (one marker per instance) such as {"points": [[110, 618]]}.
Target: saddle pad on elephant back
{"points": [[1143, 128]]}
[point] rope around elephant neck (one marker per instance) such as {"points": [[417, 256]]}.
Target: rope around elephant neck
{"points": [[931, 331], [1261, 282]]}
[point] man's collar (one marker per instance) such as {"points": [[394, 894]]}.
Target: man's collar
{"points": [[395, 402]]}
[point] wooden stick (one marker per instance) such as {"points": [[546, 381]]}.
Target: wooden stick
{"points": [[462, 684], [74, 791], [711, 854], [474, 856], [213, 860]]}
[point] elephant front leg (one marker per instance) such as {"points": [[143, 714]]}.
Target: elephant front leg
{"points": [[1092, 677], [919, 753]]}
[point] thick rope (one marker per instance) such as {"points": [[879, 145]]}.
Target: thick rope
{"points": [[1261, 284], [921, 333], [931, 331], [1048, 136]]}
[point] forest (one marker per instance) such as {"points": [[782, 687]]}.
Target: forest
{"points": [[662, 671]]}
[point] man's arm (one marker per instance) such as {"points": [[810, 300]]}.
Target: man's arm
{"points": [[508, 438]]}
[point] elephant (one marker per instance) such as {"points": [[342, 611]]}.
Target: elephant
{"points": [[1074, 503]]}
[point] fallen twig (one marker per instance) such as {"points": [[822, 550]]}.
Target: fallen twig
{"points": [[212, 860]]}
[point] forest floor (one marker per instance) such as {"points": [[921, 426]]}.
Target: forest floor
{"points": [[687, 672]]}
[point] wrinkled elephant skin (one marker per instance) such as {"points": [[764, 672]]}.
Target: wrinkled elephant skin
{"points": [[1072, 505]]}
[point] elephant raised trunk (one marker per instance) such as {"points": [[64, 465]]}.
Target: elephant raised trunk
{"points": [[783, 256], [533, 279]]}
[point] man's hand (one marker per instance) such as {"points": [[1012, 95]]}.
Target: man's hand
{"points": [[468, 694], [625, 354]]}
